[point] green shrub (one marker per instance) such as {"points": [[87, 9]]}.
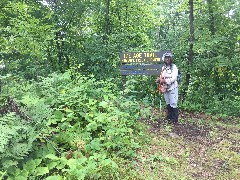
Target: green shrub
{"points": [[82, 122]]}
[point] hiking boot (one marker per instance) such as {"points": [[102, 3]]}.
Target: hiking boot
{"points": [[174, 115], [169, 112]]}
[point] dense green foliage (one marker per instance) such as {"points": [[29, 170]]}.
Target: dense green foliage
{"points": [[82, 120], [62, 61]]}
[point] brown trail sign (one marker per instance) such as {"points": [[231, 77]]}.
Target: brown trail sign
{"points": [[141, 63]]}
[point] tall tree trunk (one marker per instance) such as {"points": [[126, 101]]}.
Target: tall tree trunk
{"points": [[210, 9], [59, 49], [107, 20], [191, 41]]}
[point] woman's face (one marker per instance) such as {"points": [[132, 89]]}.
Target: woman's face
{"points": [[167, 60]]}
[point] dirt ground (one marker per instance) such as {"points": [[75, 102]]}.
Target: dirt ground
{"points": [[199, 147]]}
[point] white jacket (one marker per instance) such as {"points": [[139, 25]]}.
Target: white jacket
{"points": [[170, 75]]}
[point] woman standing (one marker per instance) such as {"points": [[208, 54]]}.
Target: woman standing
{"points": [[169, 85]]}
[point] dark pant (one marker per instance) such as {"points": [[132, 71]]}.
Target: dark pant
{"points": [[172, 114]]}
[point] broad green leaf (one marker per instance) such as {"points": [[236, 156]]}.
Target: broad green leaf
{"points": [[92, 126], [54, 178], [41, 171], [103, 104], [72, 163], [51, 156], [58, 114], [32, 165], [20, 178], [52, 165]]}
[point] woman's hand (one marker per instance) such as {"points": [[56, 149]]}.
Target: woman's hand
{"points": [[162, 81]]}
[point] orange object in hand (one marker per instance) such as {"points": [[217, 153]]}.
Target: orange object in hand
{"points": [[162, 86]]}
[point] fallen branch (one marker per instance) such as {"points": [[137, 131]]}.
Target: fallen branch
{"points": [[12, 106]]}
